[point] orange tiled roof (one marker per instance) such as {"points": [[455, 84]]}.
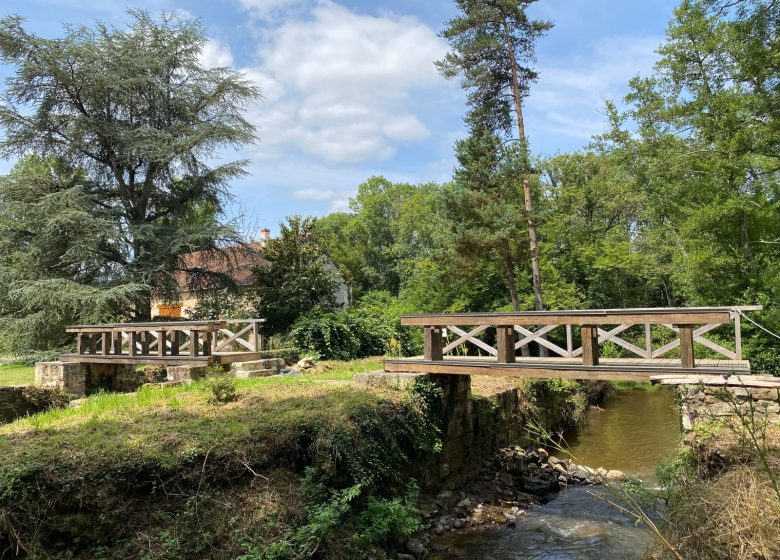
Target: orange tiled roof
{"points": [[236, 262]]}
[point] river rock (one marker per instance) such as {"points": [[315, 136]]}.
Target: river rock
{"points": [[446, 499], [538, 485], [542, 454], [505, 478], [465, 503], [580, 474], [615, 475], [416, 547], [401, 556]]}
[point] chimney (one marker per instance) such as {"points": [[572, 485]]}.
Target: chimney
{"points": [[265, 235]]}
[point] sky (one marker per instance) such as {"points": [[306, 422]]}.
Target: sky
{"points": [[350, 89]]}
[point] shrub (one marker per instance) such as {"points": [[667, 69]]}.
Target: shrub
{"points": [[223, 390], [372, 328]]}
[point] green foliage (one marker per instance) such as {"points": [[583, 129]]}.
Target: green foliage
{"points": [[221, 304], [223, 389], [555, 404], [386, 522], [136, 116], [298, 281], [371, 328], [681, 466]]}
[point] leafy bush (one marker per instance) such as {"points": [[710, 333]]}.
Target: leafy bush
{"points": [[223, 390], [372, 328]]}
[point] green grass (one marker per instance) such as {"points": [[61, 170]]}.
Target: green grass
{"points": [[17, 374], [135, 464]]}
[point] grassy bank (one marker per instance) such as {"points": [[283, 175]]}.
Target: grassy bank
{"points": [[16, 374], [270, 468], [722, 493]]}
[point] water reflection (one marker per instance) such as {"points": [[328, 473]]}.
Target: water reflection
{"points": [[632, 432]]}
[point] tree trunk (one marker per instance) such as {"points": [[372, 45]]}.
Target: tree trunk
{"points": [[510, 279], [532, 238]]}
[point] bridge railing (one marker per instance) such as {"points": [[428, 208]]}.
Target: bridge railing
{"points": [[169, 338], [598, 326]]}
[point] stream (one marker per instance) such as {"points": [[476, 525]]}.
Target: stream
{"points": [[630, 434]]}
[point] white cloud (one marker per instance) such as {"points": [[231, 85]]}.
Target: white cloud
{"points": [[216, 54], [569, 97], [338, 84], [263, 8], [312, 194]]}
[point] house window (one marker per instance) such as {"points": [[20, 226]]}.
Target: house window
{"points": [[170, 310]]}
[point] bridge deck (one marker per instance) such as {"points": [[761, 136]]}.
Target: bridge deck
{"points": [[609, 369], [219, 358]]}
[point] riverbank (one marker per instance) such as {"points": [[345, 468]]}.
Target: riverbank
{"points": [[272, 467], [723, 485]]}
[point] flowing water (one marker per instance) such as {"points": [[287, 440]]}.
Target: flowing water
{"points": [[632, 432]]}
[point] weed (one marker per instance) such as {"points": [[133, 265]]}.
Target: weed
{"points": [[223, 390]]}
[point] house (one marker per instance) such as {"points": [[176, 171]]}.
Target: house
{"points": [[201, 269]]}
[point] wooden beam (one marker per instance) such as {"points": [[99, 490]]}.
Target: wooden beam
{"points": [[207, 343], [162, 343], [686, 346], [694, 315], [590, 345], [194, 343], [541, 369], [432, 343], [175, 342], [132, 344], [505, 344], [106, 343]]}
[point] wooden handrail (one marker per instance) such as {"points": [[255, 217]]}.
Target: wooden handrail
{"points": [[681, 320], [658, 315], [164, 338]]}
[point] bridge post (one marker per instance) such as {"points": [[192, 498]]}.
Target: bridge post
{"points": [[432, 344], [686, 346], [505, 344], [590, 345]]}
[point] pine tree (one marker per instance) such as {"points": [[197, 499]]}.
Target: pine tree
{"points": [[493, 45]]}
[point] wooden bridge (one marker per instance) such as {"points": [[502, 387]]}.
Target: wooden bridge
{"points": [[170, 343], [661, 343]]}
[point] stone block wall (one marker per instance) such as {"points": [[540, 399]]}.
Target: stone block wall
{"points": [[472, 428], [77, 378], [708, 402], [70, 377]]}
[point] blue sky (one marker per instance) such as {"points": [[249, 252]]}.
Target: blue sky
{"points": [[350, 88]]}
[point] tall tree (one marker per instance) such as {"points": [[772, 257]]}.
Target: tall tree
{"points": [[484, 202], [298, 279], [493, 43], [135, 109], [52, 269], [706, 150]]}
